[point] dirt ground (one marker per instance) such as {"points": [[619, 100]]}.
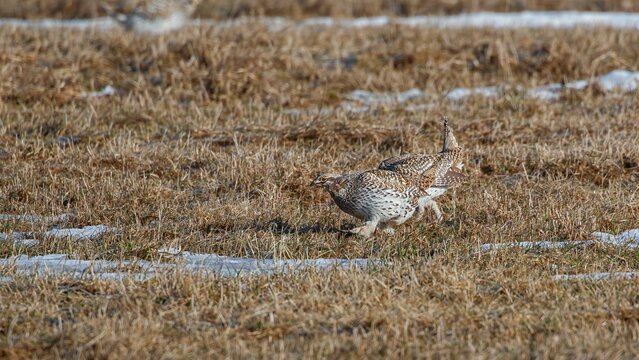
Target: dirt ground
{"points": [[196, 150]]}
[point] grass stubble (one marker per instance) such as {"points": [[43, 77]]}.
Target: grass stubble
{"points": [[195, 151], [225, 9]]}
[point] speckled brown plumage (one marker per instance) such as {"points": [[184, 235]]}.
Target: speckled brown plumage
{"points": [[400, 187], [447, 166], [379, 197]]}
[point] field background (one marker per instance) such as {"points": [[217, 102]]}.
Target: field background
{"points": [[196, 150], [222, 9]]}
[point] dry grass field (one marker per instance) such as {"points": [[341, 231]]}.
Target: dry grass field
{"points": [[196, 150], [222, 9]]}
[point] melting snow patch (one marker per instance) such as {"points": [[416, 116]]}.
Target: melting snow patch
{"points": [[25, 239], [169, 251], [25, 242], [19, 239], [37, 218], [98, 23], [106, 91], [621, 80], [539, 245], [85, 233], [617, 80], [371, 98], [628, 238], [59, 265], [462, 93], [233, 266], [526, 19], [598, 276], [376, 21]]}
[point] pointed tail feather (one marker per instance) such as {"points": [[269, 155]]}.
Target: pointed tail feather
{"points": [[450, 142]]}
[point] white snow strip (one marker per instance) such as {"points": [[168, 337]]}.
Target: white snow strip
{"points": [[371, 98], [19, 239], [169, 251], [25, 242], [597, 276], [37, 218], [85, 233], [526, 19], [12, 236], [106, 91], [233, 266], [621, 80], [629, 239], [462, 93], [6, 279], [540, 245], [617, 80], [25, 239], [59, 265], [546, 92], [80, 24], [419, 107]]}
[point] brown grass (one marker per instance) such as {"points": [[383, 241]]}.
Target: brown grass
{"points": [[222, 9], [195, 151]]}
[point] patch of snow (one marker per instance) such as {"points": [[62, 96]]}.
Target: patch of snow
{"points": [[621, 80], [540, 245], [25, 242], [36, 218], [617, 80], [85, 233], [234, 266], [169, 251], [6, 279], [25, 239], [628, 238], [419, 107], [59, 265], [597, 276], [312, 111], [577, 85], [80, 24], [526, 19], [12, 236], [372, 98], [353, 108], [547, 92], [106, 91], [377, 21], [462, 93], [19, 239]]}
